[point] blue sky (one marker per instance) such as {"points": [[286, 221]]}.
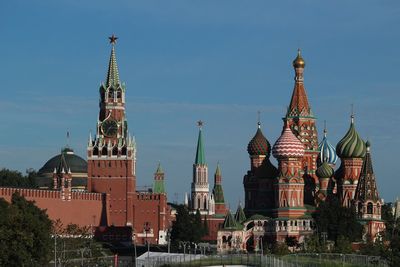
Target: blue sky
{"points": [[219, 61]]}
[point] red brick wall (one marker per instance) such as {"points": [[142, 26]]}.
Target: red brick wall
{"points": [[84, 209]]}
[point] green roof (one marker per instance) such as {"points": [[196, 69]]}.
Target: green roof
{"points": [[230, 223], [112, 74], [218, 170], [159, 169], [200, 157], [240, 217], [159, 187], [218, 194]]}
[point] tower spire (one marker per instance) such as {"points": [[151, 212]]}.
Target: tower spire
{"points": [[112, 74], [200, 157]]}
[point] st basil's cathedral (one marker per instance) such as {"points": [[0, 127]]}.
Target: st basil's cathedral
{"points": [[279, 201]]}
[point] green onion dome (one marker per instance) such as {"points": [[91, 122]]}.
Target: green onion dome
{"points": [[325, 171], [259, 145], [351, 145]]}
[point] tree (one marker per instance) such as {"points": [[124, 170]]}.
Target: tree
{"points": [[11, 178], [186, 227], [25, 233], [337, 221]]}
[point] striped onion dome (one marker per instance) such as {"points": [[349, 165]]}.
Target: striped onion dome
{"points": [[288, 145], [324, 171], [327, 152], [351, 145], [259, 145]]}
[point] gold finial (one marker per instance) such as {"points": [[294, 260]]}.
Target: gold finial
{"points": [[352, 113], [299, 62], [259, 119], [325, 131], [113, 39]]}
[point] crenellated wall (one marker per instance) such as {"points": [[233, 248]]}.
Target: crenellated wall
{"points": [[84, 209], [151, 209]]}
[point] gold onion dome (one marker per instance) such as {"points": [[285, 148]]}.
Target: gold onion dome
{"points": [[299, 62], [351, 145]]}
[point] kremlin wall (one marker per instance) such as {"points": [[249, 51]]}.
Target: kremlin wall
{"points": [[279, 201]]}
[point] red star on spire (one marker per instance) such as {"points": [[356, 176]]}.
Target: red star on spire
{"points": [[113, 39]]}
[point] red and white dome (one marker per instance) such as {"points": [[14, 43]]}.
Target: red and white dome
{"points": [[288, 145]]}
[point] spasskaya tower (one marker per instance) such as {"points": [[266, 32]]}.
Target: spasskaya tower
{"points": [[112, 151]]}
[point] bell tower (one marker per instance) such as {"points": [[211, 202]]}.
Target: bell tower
{"points": [[112, 151]]}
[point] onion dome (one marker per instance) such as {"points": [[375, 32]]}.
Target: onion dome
{"points": [[325, 171], [351, 145], [288, 145], [259, 145], [327, 152], [299, 62]]}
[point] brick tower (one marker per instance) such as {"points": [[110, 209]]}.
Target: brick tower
{"points": [[258, 182], [367, 202], [351, 150], [112, 152], [289, 185], [303, 125], [218, 193], [200, 197]]}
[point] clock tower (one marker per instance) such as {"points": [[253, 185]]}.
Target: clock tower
{"points": [[112, 151]]}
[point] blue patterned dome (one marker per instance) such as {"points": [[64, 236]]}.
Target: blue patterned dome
{"points": [[327, 152]]}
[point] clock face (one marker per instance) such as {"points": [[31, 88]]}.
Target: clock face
{"points": [[109, 128]]}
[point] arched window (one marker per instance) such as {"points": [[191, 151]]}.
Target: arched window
{"points": [[119, 94], [370, 208], [198, 203], [110, 94], [378, 208]]}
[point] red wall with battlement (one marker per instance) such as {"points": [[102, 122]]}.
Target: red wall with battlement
{"points": [[151, 208], [84, 209]]}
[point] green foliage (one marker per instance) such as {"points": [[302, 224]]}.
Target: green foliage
{"points": [[9, 178], [312, 244], [337, 221], [280, 249], [25, 230], [343, 245], [187, 227], [205, 227]]}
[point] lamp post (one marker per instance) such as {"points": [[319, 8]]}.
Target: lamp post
{"points": [[146, 229], [169, 240], [55, 250]]}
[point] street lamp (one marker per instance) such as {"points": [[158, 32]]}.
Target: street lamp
{"points": [[146, 229]]}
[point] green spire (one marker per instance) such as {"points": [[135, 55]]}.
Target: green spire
{"points": [[217, 190], [229, 222], [112, 74], [240, 217], [159, 187], [218, 171], [159, 169], [200, 158]]}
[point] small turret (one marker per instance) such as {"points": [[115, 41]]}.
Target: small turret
{"points": [[159, 187]]}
